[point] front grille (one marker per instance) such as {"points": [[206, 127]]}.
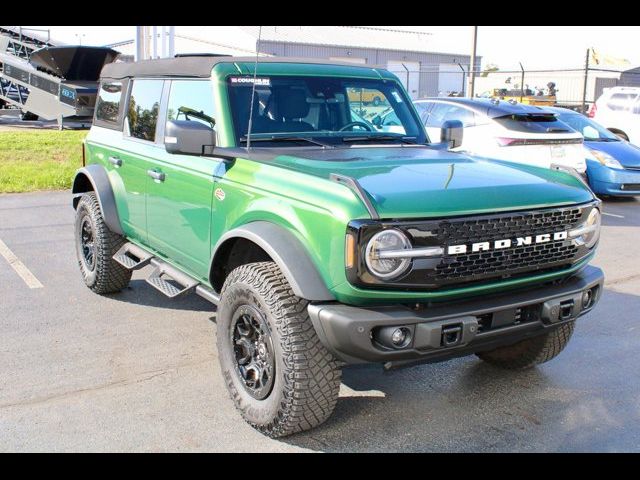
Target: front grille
{"points": [[630, 186], [505, 262], [506, 226], [473, 266], [451, 270]]}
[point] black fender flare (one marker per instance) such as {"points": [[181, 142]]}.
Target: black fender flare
{"points": [[94, 177], [287, 252]]}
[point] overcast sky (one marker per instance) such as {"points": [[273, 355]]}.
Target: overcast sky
{"points": [[535, 47]]}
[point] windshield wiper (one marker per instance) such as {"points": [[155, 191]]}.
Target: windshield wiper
{"points": [[368, 138], [276, 138]]}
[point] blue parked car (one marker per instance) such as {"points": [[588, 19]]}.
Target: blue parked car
{"points": [[613, 164]]}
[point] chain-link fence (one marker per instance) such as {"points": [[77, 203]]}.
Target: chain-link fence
{"points": [[571, 88]]}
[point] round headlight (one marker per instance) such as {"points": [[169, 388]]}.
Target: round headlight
{"points": [[381, 251], [588, 233], [593, 228]]}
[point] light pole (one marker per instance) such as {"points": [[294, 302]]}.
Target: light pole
{"points": [[79, 37], [472, 65]]}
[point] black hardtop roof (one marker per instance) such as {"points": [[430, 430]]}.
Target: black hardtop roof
{"points": [[198, 65], [492, 108]]}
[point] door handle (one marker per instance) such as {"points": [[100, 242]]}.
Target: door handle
{"points": [[115, 161], [157, 176]]}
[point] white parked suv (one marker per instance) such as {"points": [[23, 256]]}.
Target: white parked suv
{"points": [[506, 131], [618, 109]]}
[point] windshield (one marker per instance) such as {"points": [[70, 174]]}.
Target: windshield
{"points": [[590, 130], [329, 111]]}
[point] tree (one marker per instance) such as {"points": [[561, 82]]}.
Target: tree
{"points": [[492, 67]]}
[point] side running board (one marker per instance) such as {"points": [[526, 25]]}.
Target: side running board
{"points": [[132, 257], [165, 278], [170, 281]]}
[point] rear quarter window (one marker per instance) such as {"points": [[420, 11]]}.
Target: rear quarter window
{"points": [[621, 101], [144, 106], [108, 110], [533, 123]]}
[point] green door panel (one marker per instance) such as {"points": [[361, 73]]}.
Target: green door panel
{"points": [[179, 209], [128, 180]]}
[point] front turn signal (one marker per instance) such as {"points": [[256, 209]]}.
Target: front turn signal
{"points": [[349, 250]]}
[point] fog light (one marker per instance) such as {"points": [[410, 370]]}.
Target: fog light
{"points": [[393, 337], [587, 299], [399, 336]]}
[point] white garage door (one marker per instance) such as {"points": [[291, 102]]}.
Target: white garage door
{"points": [[450, 79], [410, 79]]}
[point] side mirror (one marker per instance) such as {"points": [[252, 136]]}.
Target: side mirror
{"points": [[189, 138], [377, 121], [451, 133]]}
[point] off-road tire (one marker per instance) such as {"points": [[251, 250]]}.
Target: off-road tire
{"points": [[107, 276], [532, 351], [307, 376]]}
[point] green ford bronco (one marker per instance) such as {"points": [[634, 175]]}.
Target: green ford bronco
{"points": [[322, 237]]}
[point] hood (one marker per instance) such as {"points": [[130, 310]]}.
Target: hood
{"points": [[423, 182], [627, 154]]}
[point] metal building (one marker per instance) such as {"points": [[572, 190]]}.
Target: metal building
{"points": [[410, 55]]}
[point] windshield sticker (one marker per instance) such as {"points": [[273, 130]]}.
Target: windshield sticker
{"points": [[259, 81], [396, 96]]}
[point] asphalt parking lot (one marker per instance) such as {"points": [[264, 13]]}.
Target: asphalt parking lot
{"points": [[136, 371]]}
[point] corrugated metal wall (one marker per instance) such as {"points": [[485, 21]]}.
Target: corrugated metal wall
{"points": [[630, 78], [429, 62]]}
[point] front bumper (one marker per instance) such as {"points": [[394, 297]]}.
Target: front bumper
{"points": [[612, 181], [350, 333]]}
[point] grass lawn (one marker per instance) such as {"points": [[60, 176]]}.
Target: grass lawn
{"points": [[39, 159]]}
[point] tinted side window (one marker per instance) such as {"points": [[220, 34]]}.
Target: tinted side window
{"points": [[108, 104], [462, 114], [144, 104], [191, 100], [441, 112], [436, 115], [621, 101]]}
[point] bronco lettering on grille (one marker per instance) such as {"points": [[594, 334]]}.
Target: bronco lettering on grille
{"points": [[506, 243]]}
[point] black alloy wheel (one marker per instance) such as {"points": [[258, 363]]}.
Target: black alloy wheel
{"points": [[254, 353]]}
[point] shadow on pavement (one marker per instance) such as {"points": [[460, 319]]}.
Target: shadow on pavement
{"points": [[140, 292], [586, 399], [619, 200]]}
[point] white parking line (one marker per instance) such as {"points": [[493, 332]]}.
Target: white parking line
{"points": [[20, 268], [612, 215]]}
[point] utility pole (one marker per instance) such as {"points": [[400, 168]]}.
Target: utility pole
{"points": [[472, 64], [586, 78], [147, 38], [155, 41], [172, 34], [139, 43], [163, 43]]}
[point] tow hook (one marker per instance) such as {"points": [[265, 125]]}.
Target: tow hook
{"points": [[451, 335], [566, 309]]}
